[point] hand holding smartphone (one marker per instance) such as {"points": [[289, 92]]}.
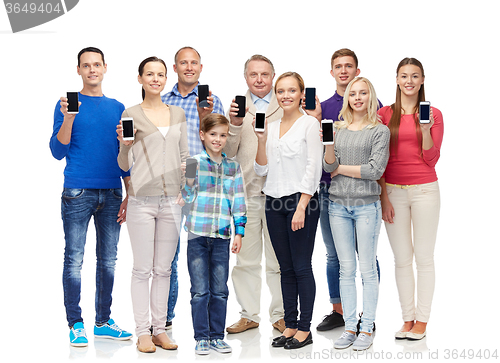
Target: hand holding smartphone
{"points": [[424, 112], [328, 133]]}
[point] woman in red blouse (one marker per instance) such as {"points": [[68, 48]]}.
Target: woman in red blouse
{"points": [[410, 196]]}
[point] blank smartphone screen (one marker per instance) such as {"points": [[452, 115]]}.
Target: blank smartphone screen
{"points": [[327, 132], [191, 165], [72, 101], [202, 92], [241, 101], [128, 128], [260, 119], [310, 98], [425, 112]]}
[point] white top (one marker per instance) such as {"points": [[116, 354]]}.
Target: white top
{"points": [[294, 162], [164, 130]]}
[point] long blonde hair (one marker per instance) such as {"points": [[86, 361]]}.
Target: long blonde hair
{"points": [[346, 115]]}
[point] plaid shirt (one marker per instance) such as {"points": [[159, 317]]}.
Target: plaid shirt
{"points": [[188, 104], [217, 195]]}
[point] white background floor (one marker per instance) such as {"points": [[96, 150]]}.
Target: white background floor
{"points": [[458, 47]]}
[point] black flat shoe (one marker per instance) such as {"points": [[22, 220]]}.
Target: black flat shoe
{"points": [[295, 344], [280, 342]]}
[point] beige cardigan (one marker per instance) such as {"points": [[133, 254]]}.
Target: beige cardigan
{"points": [[242, 143], [156, 160]]}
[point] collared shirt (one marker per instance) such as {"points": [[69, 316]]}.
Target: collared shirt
{"points": [[188, 104], [218, 196], [261, 104], [294, 160]]}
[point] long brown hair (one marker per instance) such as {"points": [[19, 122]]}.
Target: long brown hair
{"points": [[395, 121], [143, 64]]}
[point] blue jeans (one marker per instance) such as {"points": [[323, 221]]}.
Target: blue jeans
{"points": [[332, 260], [351, 226], [77, 208], [294, 251], [208, 266]]}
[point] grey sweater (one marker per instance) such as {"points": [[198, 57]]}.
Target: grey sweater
{"points": [[368, 148]]}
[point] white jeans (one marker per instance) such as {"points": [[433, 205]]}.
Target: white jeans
{"points": [[153, 226], [415, 209], [246, 273]]}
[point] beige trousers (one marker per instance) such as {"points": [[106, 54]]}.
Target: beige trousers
{"points": [[413, 234], [153, 227], [246, 274]]}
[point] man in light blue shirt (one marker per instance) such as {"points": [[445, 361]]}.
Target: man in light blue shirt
{"points": [[185, 95]]}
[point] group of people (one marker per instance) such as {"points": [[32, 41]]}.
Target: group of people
{"points": [[380, 167]]}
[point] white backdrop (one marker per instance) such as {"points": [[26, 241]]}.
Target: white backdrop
{"points": [[456, 42]]}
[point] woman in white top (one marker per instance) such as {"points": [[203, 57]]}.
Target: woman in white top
{"points": [[289, 153]]}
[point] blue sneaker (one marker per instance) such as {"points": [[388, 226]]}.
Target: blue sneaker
{"points": [[111, 331], [220, 346], [202, 347], [77, 336]]}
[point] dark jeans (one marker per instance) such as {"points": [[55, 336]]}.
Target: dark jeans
{"points": [[208, 265], [77, 208], [294, 251]]}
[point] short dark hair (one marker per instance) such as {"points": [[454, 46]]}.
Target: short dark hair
{"points": [[345, 52], [93, 50]]}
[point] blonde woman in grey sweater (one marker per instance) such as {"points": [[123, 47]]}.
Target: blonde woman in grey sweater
{"points": [[356, 161]]}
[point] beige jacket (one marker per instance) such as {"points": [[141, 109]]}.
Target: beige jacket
{"points": [[242, 144], [156, 160]]}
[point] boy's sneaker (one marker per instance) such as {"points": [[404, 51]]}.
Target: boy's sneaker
{"points": [[202, 347], [111, 331], [78, 336], [220, 346], [345, 340], [363, 342]]}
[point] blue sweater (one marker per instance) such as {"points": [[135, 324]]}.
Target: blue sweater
{"points": [[91, 155]]}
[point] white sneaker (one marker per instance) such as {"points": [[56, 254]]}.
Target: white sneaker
{"points": [[363, 342], [345, 340]]}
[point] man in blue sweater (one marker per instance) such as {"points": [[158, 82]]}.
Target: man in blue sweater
{"points": [[92, 187]]}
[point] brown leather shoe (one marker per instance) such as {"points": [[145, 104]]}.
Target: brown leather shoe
{"points": [[280, 325], [241, 325], [145, 345], [162, 340]]}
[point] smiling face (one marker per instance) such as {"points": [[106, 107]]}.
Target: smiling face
{"points": [[215, 139], [259, 76], [359, 97], [344, 70], [91, 69], [153, 78], [409, 80], [188, 67], [288, 93]]}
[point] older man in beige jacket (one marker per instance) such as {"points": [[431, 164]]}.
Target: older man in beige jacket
{"points": [[242, 143]]}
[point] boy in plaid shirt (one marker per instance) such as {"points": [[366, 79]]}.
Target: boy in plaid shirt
{"points": [[218, 198]]}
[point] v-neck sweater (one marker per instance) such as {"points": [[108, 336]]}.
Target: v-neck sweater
{"points": [[155, 159]]}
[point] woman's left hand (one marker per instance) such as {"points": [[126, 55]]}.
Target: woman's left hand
{"points": [[427, 127], [180, 200], [298, 219]]}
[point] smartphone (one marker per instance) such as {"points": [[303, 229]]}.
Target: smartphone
{"points": [[424, 112], [260, 121], [328, 133], [72, 102], [203, 94], [191, 166], [310, 98], [128, 128], [241, 101]]}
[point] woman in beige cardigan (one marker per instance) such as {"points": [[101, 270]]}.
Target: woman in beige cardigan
{"points": [[153, 216]]}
